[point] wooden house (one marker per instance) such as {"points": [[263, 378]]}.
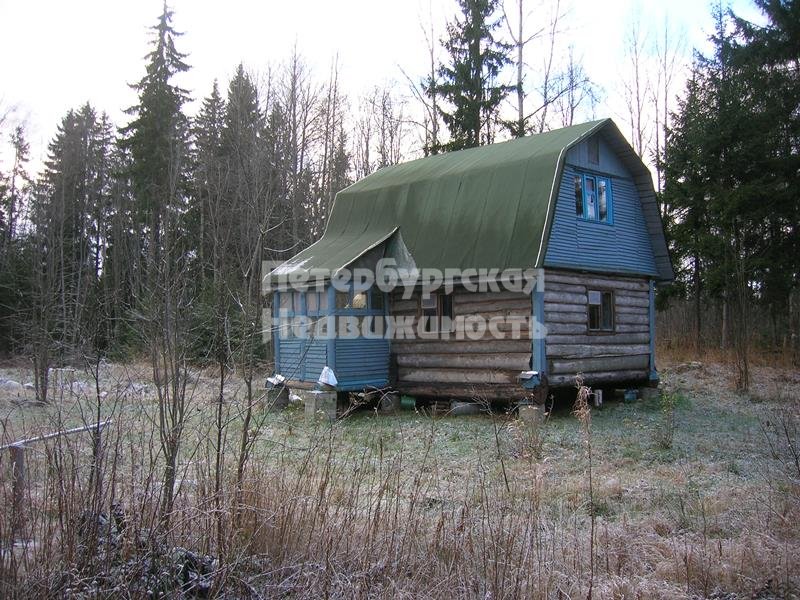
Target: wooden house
{"points": [[574, 206]]}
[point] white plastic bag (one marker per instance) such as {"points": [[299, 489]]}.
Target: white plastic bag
{"points": [[327, 377]]}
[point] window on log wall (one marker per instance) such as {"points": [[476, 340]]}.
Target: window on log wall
{"points": [[436, 312], [601, 310]]}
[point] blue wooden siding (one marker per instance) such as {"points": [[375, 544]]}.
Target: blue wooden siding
{"points": [[362, 362], [358, 363], [609, 163], [302, 360], [622, 247], [290, 363]]}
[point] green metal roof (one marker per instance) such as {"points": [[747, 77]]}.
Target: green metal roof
{"points": [[489, 207]]}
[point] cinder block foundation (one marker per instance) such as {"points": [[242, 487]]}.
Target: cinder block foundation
{"points": [[319, 404]]}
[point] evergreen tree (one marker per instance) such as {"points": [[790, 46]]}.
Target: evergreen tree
{"points": [[17, 182], [732, 165], [208, 174], [469, 81], [156, 139], [70, 214], [15, 259]]}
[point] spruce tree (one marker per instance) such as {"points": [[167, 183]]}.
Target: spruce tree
{"points": [[156, 139], [208, 174], [469, 80]]}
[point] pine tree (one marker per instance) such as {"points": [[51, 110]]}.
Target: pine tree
{"points": [[469, 81]]}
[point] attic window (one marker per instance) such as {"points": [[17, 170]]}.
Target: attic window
{"points": [[436, 312], [593, 198], [601, 310]]}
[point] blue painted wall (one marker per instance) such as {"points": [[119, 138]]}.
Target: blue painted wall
{"points": [[362, 362], [358, 363], [609, 162], [575, 243]]}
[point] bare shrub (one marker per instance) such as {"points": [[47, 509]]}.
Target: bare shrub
{"points": [[665, 432]]}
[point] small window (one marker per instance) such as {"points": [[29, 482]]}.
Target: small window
{"points": [[593, 200], [602, 200], [590, 196], [593, 146], [297, 303], [428, 312], [601, 311], [579, 195], [436, 312]]}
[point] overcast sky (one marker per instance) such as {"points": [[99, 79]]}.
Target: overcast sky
{"points": [[59, 54]]}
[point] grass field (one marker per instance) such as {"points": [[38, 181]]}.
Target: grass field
{"points": [[695, 493]]}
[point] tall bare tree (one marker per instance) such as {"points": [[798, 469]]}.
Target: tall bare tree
{"points": [[637, 87]]}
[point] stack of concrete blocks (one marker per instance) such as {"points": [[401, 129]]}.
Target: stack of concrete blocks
{"points": [[321, 404]]}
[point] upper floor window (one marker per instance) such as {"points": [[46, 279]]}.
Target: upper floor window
{"points": [[593, 200]]}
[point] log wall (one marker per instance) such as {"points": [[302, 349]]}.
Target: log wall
{"points": [[602, 357], [443, 364]]}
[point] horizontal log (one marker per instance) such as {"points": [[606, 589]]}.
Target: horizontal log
{"points": [[556, 307], [462, 376], [632, 328], [462, 296], [518, 361], [564, 317], [633, 294], [554, 286], [599, 378], [613, 338], [594, 280], [620, 300], [488, 346], [611, 363], [635, 310], [405, 306], [497, 391], [522, 306], [566, 328], [632, 319], [594, 350], [507, 326], [565, 297]]}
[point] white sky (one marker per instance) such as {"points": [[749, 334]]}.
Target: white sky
{"points": [[59, 54]]}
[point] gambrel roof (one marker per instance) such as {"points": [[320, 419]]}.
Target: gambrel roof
{"points": [[489, 207]]}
